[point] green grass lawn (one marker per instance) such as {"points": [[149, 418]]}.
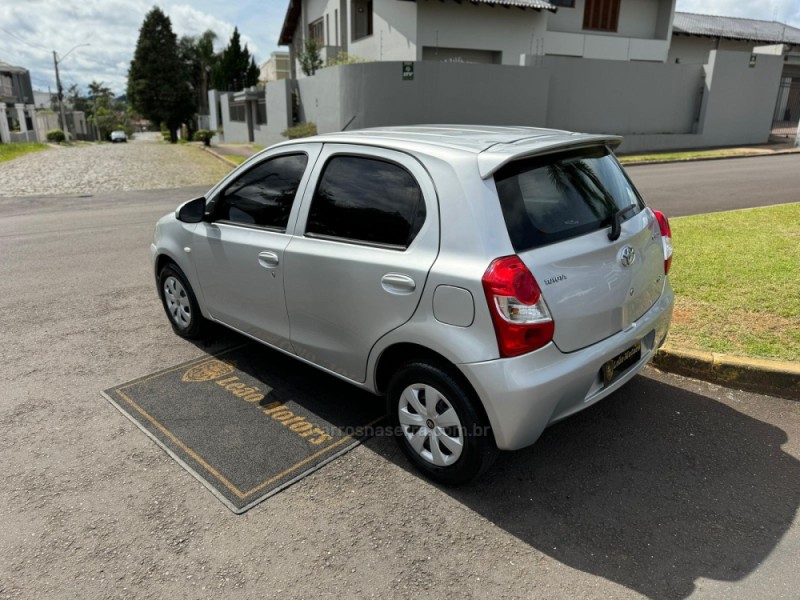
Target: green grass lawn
{"points": [[15, 150], [736, 276], [235, 158], [680, 155]]}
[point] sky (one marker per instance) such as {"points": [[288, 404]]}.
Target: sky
{"points": [[31, 29]]}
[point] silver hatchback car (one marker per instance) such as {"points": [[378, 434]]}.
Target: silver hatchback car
{"points": [[489, 281]]}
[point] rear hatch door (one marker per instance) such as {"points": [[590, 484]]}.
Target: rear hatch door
{"points": [[559, 211]]}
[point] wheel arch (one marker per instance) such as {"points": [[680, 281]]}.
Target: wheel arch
{"points": [[395, 355]]}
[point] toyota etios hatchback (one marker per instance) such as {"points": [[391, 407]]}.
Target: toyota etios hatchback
{"points": [[488, 281]]}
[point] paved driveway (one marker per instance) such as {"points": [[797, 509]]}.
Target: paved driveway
{"points": [[667, 488], [145, 163]]}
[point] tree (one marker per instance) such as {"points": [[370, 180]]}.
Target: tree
{"points": [[309, 57], [236, 67], [158, 85], [75, 100], [97, 91], [207, 59], [197, 54]]}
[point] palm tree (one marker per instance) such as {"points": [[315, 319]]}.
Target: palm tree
{"points": [[206, 59], [96, 90]]}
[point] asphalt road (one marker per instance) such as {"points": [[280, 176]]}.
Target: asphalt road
{"points": [[668, 488], [690, 188]]}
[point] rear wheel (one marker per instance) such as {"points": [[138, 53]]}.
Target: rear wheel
{"points": [[180, 303], [440, 426]]}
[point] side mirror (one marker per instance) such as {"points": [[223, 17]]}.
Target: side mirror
{"points": [[191, 211]]}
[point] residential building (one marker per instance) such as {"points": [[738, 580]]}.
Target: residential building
{"points": [[694, 36], [17, 122], [597, 66], [507, 32], [275, 67]]}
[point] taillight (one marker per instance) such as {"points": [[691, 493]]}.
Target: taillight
{"points": [[522, 321], [666, 238]]}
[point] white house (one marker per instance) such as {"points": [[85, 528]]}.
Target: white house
{"points": [[508, 32]]}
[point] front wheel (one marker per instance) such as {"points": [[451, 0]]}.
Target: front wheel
{"points": [[440, 426], [180, 303]]}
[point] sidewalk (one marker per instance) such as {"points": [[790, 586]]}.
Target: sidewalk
{"points": [[774, 148]]}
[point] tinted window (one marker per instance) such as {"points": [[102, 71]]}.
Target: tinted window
{"points": [[263, 195], [560, 196], [367, 200]]}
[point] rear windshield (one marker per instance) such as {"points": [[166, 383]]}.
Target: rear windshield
{"points": [[559, 196]]}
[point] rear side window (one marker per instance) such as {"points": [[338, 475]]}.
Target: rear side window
{"points": [[560, 196], [263, 196], [367, 200]]}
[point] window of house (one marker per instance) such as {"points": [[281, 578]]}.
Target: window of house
{"points": [[601, 15], [362, 18], [236, 112], [316, 31], [261, 113], [563, 3], [263, 196], [367, 200]]}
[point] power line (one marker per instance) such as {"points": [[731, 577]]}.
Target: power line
{"points": [[24, 41]]}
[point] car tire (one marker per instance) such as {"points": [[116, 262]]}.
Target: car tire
{"points": [[447, 437], [180, 303]]}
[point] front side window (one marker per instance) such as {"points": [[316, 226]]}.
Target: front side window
{"points": [[552, 198], [263, 196], [367, 200]]}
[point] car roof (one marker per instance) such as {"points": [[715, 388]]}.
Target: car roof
{"points": [[493, 145]]}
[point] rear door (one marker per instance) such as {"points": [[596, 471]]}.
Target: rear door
{"points": [[367, 235], [559, 211]]}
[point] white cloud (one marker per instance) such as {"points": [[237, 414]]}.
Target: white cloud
{"points": [[190, 21], [31, 29]]}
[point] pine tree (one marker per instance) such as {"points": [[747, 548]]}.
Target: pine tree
{"points": [[158, 85], [236, 67]]}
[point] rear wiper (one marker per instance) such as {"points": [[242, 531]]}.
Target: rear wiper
{"points": [[616, 222]]}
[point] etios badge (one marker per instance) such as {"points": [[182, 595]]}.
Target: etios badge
{"points": [[627, 256]]}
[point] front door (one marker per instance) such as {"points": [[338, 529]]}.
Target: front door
{"points": [[367, 235], [239, 250]]}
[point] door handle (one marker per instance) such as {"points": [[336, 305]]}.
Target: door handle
{"points": [[397, 283], [268, 259]]}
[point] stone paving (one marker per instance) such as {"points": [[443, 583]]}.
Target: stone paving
{"points": [[143, 163]]}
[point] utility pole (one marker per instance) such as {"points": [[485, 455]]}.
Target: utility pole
{"points": [[60, 97]]}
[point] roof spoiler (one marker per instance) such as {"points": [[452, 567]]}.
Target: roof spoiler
{"points": [[499, 155]]}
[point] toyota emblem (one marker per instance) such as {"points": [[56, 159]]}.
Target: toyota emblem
{"points": [[627, 256]]}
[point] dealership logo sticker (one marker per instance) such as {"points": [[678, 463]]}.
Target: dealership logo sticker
{"points": [[208, 371]]}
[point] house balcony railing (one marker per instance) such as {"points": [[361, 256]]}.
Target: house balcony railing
{"points": [[608, 47], [7, 92]]}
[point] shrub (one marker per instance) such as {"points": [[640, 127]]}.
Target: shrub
{"points": [[300, 130], [203, 135], [343, 58], [55, 135]]}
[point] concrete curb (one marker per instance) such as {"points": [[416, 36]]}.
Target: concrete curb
{"points": [[772, 377], [230, 163], [637, 163]]}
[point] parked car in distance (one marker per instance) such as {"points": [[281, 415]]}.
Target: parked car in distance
{"points": [[118, 136], [488, 281]]}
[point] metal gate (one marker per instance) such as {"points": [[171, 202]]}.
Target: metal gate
{"points": [[787, 109]]}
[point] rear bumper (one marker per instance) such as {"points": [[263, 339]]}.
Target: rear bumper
{"points": [[523, 395]]}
